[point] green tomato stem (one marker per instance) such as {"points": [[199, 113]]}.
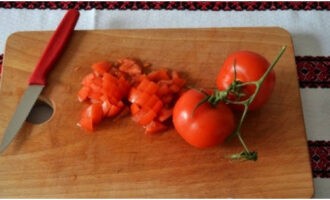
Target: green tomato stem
{"points": [[261, 80], [251, 155], [242, 142]]}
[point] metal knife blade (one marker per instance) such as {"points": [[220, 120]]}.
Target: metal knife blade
{"points": [[29, 98], [37, 80]]}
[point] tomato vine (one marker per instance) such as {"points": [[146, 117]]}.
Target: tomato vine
{"points": [[235, 89]]}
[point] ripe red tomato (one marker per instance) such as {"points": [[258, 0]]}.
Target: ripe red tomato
{"points": [[250, 66], [205, 126]]}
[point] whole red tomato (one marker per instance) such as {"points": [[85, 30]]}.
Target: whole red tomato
{"points": [[250, 66], [204, 126]]}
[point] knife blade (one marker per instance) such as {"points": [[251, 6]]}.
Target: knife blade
{"points": [[37, 80]]}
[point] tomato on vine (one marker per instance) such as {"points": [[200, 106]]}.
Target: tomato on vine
{"points": [[245, 67], [245, 81], [202, 125]]}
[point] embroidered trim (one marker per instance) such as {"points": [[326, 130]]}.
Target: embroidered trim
{"points": [[320, 158], [170, 5], [313, 71]]}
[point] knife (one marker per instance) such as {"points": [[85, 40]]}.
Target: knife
{"points": [[37, 80]]}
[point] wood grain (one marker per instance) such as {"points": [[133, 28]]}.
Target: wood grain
{"points": [[57, 159]]}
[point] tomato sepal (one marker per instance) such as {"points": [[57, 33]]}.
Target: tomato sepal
{"points": [[244, 155]]}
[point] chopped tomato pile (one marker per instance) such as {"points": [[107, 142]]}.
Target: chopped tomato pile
{"points": [[109, 88]]}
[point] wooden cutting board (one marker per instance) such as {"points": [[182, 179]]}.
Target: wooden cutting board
{"points": [[57, 159]]}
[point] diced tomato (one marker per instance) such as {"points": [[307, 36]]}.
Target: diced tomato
{"points": [[179, 82], [124, 86], [150, 96], [164, 114], [161, 74], [133, 95], [115, 109], [168, 98], [88, 79], [91, 116], [135, 80], [94, 96], [135, 108], [175, 88], [143, 98], [153, 97], [112, 91], [130, 66], [144, 116], [86, 124], [102, 67], [83, 93], [148, 86], [155, 127], [111, 109], [96, 85], [106, 105], [158, 106], [154, 103], [107, 77], [163, 89], [174, 74], [95, 112]]}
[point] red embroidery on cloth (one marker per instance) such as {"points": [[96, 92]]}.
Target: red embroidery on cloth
{"points": [[170, 5], [320, 158], [313, 71]]}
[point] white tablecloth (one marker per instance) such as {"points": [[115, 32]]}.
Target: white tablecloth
{"points": [[309, 29]]}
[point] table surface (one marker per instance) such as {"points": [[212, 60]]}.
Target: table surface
{"points": [[309, 30]]}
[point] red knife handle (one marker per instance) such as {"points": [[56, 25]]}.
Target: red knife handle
{"points": [[54, 48]]}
